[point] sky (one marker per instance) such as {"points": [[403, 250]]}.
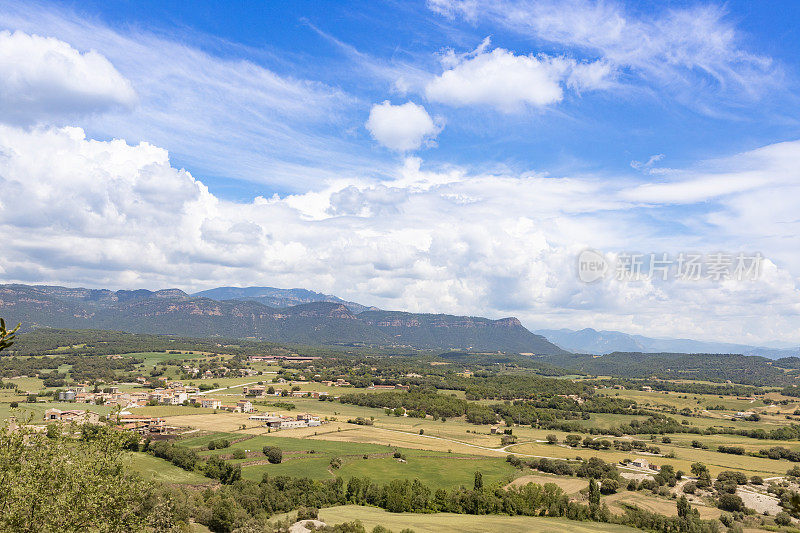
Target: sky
{"points": [[451, 156]]}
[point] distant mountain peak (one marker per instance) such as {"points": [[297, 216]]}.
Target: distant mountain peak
{"points": [[590, 341], [274, 297]]}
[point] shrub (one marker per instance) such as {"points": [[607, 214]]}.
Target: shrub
{"points": [[239, 453], [273, 453], [218, 444], [730, 502], [757, 480], [783, 519], [690, 488], [735, 450], [307, 513], [730, 476], [609, 486]]}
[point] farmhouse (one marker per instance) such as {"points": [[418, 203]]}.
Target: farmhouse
{"points": [[143, 424], [288, 423], [75, 415], [644, 463], [254, 390], [211, 403]]}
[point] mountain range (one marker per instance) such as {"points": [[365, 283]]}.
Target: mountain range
{"points": [[273, 297], [591, 341], [315, 322]]}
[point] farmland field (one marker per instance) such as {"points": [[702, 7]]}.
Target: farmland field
{"points": [[442, 522], [360, 437]]}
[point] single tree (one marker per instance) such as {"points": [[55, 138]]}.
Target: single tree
{"points": [[6, 336], [594, 494], [683, 507]]}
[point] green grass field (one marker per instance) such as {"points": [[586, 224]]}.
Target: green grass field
{"points": [[444, 522], [437, 469], [435, 472], [160, 470]]}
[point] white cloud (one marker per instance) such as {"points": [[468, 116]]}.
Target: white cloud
{"points": [[106, 213], [226, 115], [506, 81], [692, 53], [402, 127], [42, 79]]}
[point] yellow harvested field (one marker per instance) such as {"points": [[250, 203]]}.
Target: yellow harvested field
{"points": [[387, 437], [570, 485], [684, 457], [212, 422], [655, 504], [447, 522]]}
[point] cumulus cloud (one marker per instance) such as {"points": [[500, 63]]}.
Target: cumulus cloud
{"points": [[506, 81], [229, 116], [402, 127], [107, 213], [45, 79], [690, 52]]}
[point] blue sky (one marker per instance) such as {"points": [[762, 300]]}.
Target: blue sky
{"points": [[361, 48], [446, 155]]}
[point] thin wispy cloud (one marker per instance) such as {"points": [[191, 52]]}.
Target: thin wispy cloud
{"points": [[228, 117], [694, 53]]}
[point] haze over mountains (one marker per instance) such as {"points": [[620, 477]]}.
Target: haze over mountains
{"points": [[317, 322], [603, 342]]}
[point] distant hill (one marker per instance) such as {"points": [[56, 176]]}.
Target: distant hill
{"points": [[476, 333], [749, 370], [273, 297], [604, 342], [172, 311]]}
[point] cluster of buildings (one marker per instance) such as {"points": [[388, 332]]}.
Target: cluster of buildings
{"points": [[286, 358], [78, 416], [241, 406], [286, 422], [388, 387], [218, 372], [338, 383], [143, 424], [260, 391], [175, 394]]}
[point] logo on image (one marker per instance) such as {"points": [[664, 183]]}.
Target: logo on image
{"points": [[592, 266]]}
